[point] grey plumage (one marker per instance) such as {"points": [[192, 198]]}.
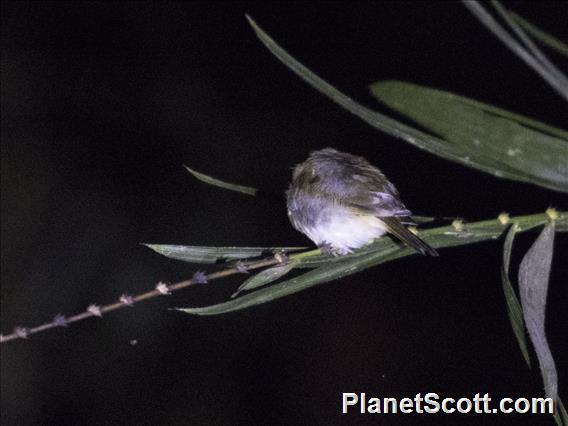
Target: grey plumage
{"points": [[342, 201]]}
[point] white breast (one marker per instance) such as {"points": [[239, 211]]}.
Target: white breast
{"points": [[346, 231]]}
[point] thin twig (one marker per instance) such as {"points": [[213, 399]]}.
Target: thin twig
{"points": [[125, 300], [490, 229]]}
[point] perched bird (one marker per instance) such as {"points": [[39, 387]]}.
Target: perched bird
{"points": [[342, 202]]}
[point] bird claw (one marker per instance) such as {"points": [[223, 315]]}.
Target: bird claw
{"points": [[280, 256], [327, 249]]}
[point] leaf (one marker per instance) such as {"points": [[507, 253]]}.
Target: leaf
{"points": [[493, 140], [445, 236], [560, 80], [537, 54], [204, 254], [222, 184], [386, 124], [422, 219], [560, 414], [514, 309], [541, 35], [533, 57], [265, 277], [325, 268], [534, 274], [422, 140], [320, 275]]}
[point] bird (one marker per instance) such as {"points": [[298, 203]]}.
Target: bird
{"points": [[342, 202]]}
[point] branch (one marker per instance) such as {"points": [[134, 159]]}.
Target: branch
{"points": [[161, 289], [323, 268]]}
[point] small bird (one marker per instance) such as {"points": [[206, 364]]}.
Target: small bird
{"points": [[342, 202]]}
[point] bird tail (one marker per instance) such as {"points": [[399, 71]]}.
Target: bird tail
{"points": [[395, 227]]}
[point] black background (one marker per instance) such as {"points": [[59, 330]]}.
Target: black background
{"points": [[101, 105]]}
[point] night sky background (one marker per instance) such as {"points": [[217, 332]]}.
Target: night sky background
{"points": [[101, 105]]}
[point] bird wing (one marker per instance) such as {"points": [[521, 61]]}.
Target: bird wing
{"points": [[371, 193], [395, 227], [377, 203]]}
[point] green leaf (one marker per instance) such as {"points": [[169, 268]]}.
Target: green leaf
{"points": [[265, 277], [540, 35], [435, 145], [386, 124], [514, 309], [528, 52], [489, 139], [560, 80], [222, 184], [534, 274], [560, 414], [320, 275], [422, 219], [444, 236], [326, 268], [531, 47], [203, 254]]}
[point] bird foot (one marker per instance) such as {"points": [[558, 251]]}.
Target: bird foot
{"points": [[328, 250]]}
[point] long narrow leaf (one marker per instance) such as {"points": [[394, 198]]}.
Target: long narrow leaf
{"points": [[514, 309], [222, 184], [512, 146], [265, 277], [386, 124], [534, 274], [448, 236], [435, 145], [530, 45], [558, 84], [309, 279], [445, 236], [327, 269], [541, 35], [561, 415], [203, 254]]}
